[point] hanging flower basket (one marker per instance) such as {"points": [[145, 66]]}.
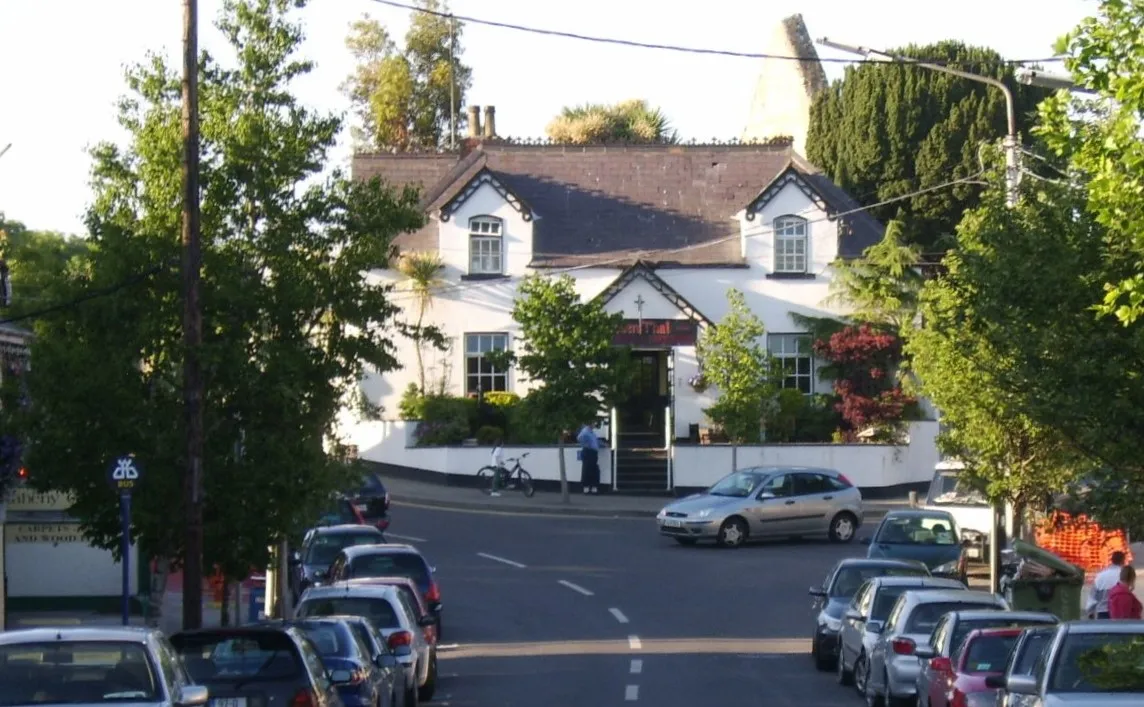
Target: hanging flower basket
{"points": [[698, 382]]}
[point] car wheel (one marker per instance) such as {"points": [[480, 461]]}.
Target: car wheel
{"points": [[733, 532], [845, 677], [843, 527], [425, 693], [685, 541], [861, 676]]}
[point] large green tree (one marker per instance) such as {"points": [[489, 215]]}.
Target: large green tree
{"points": [[289, 321], [631, 121], [403, 97], [733, 358], [36, 262], [887, 130], [1101, 137], [565, 349]]}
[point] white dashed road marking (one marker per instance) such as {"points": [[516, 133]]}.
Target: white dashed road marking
{"points": [[634, 643], [410, 538], [574, 587], [448, 646], [632, 693], [619, 615], [637, 666], [502, 560]]}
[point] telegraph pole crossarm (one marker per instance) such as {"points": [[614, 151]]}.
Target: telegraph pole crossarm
{"points": [[1011, 143]]}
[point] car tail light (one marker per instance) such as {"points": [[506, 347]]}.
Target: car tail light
{"points": [[903, 646], [843, 479], [434, 593], [398, 639], [303, 698]]}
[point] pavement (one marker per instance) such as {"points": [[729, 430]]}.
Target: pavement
{"points": [[409, 493]]}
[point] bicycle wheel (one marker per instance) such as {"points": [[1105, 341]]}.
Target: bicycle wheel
{"points": [[485, 479], [526, 484]]}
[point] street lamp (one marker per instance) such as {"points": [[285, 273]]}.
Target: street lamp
{"points": [[1011, 144], [1036, 77]]}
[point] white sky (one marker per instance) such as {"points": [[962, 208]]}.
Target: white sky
{"points": [[61, 65]]}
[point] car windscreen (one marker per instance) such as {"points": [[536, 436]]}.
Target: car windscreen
{"points": [[848, 580], [988, 654], [390, 564], [247, 656], [331, 640], [966, 625], [325, 547], [737, 485], [925, 616], [917, 530], [376, 609], [77, 672], [1083, 660], [952, 488]]}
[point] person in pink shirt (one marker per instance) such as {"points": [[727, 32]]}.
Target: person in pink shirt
{"points": [[1122, 601]]}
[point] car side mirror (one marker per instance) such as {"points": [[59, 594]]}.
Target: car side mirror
{"points": [[435, 607], [766, 496], [924, 652], [816, 592], [874, 626], [427, 620], [855, 615], [866, 541], [340, 677], [997, 682], [193, 696], [1021, 684]]}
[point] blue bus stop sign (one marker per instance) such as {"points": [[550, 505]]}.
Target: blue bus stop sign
{"points": [[123, 474]]}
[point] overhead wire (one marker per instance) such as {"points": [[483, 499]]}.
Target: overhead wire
{"points": [[672, 47]]}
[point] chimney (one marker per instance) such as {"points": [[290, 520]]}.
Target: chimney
{"points": [[490, 122], [474, 121]]}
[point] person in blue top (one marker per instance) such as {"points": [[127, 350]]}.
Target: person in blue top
{"points": [[589, 459]]}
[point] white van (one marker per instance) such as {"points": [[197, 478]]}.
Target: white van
{"points": [[949, 492]]}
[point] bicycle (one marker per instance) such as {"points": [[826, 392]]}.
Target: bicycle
{"points": [[523, 478]]}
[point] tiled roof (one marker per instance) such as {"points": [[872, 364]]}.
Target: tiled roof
{"points": [[663, 204]]}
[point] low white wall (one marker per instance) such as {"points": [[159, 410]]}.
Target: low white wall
{"points": [[866, 465]]}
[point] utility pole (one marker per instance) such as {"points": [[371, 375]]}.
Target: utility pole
{"points": [[192, 325], [1011, 143], [452, 84]]}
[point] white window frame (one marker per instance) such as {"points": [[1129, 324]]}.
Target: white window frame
{"points": [[789, 347], [486, 245], [792, 245], [484, 341]]}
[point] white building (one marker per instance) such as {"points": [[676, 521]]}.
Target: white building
{"points": [[659, 232]]}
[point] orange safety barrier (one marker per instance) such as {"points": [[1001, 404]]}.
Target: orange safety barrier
{"points": [[1081, 541]]}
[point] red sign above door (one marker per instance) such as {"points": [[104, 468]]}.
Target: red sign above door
{"points": [[657, 333]]}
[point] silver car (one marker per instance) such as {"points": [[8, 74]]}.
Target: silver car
{"points": [[863, 620], [893, 666], [1064, 679], [394, 617], [94, 666], [767, 502]]}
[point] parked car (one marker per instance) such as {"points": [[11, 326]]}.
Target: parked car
{"points": [[1031, 646], [340, 511], [839, 587], [391, 612], [984, 652], [360, 682], [256, 665], [320, 547], [951, 491], [371, 499], [937, 657], [94, 666], [1066, 679], [391, 560], [767, 501], [381, 655], [409, 588], [891, 670], [929, 536], [863, 620]]}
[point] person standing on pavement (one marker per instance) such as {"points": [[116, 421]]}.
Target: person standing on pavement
{"points": [[1105, 580], [589, 459], [498, 464], [1122, 601]]}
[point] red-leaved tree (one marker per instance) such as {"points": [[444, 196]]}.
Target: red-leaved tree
{"points": [[864, 359]]}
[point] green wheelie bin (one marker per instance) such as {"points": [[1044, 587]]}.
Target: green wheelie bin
{"points": [[1059, 594]]}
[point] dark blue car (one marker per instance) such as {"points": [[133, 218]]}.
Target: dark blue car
{"points": [[359, 680], [931, 537]]}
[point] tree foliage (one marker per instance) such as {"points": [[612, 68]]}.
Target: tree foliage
{"points": [[881, 287], [886, 130], [734, 359], [36, 260], [565, 349], [1034, 389], [864, 362], [402, 97], [288, 320], [1101, 138], [632, 121]]}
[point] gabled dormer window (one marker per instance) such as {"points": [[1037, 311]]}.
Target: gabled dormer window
{"points": [[486, 246], [790, 244]]}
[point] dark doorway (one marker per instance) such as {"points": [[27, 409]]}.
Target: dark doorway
{"points": [[642, 414]]}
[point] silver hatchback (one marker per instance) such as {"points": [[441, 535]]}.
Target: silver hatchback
{"points": [[767, 502]]}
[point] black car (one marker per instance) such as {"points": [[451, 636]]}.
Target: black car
{"points": [[372, 500], [257, 665], [841, 584], [361, 682], [319, 549]]}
